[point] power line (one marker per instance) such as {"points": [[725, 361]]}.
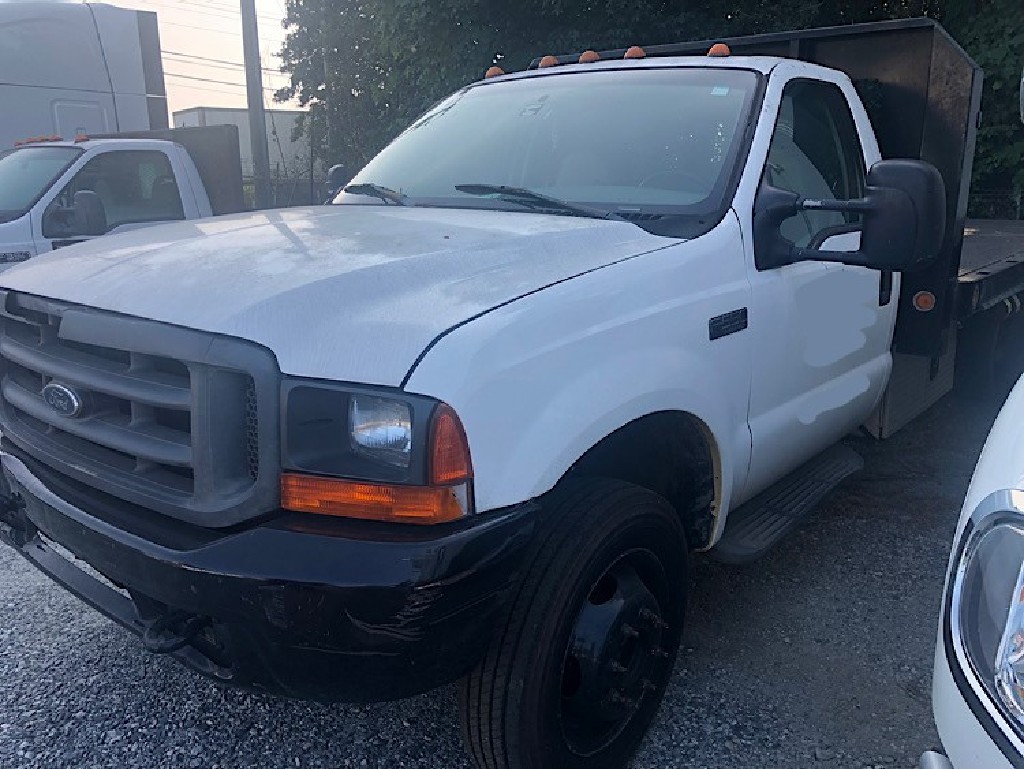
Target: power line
{"points": [[212, 9], [216, 82], [215, 31], [204, 79], [233, 10], [213, 90], [220, 63]]}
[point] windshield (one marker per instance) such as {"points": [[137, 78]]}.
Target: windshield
{"points": [[26, 173], [639, 144]]}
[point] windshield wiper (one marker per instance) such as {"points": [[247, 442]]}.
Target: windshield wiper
{"points": [[377, 191], [536, 200]]}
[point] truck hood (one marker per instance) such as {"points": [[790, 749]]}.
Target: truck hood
{"points": [[353, 293]]}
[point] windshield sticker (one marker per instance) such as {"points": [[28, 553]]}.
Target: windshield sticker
{"points": [[530, 110], [720, 90]]}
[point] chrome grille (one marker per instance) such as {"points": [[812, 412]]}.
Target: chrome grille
{"points": [[164, 422]]}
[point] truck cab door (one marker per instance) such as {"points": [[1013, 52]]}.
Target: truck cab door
{"points": [[822, 330], [136, 188]]}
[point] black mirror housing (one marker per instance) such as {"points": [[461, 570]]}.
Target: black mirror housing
{"points": [[89, 216], [905, 227], [904, 220]]}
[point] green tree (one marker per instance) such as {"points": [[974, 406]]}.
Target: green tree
{"points": [[366, 68], [992, 31]]}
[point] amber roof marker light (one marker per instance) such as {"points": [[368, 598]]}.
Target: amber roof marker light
{"points": [[494, 71], [589, 57], [719, 49], [635, 52], [548, 61]]}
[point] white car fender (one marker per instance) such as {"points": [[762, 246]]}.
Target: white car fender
{"points": [[535, 386]]}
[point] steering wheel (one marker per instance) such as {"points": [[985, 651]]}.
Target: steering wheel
{"points": [[695, 182]]}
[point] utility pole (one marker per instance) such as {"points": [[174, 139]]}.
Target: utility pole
{"points": [[254, 96]]}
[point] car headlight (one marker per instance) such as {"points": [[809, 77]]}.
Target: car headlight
{"points": [[987, 607], [381, 429], [373, 453]]}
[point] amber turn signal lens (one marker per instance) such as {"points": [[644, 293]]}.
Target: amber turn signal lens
{"points": [[449, 450], [369, 501]]}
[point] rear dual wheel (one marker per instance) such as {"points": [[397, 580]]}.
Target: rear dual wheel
{"points": [[576, 674]]}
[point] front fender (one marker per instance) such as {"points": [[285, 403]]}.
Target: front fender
{"points": [[539, 382]]}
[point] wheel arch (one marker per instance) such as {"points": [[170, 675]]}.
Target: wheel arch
{"points": [[671, 453]]}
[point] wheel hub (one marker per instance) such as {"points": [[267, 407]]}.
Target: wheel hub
{"points": [[614, 658]]}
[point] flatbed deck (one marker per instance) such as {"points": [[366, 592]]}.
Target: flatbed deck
{"points": [[991, 265]]}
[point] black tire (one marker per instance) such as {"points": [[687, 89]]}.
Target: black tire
{"points": [[536, 700]]}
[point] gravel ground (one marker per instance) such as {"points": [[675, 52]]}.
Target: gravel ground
{"points": [[818, 656]]}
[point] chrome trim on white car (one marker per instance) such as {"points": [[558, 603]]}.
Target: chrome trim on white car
{"points": [[999, 504]]}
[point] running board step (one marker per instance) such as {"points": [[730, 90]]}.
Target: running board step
{"points": [[756, 526]]}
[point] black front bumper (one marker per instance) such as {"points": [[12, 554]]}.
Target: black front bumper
{"points": [[303, 606]]}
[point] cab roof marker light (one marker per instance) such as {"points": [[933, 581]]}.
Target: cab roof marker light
{"points": [[39, 140], [548, 61], [719, 49], [589, 57], [494, 71], [635, 52]]}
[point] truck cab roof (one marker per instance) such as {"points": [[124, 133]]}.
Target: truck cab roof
{"points": [[89, 144], [762, 64]]}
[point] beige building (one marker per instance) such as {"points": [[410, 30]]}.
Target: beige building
{"points": [[288, 158]]}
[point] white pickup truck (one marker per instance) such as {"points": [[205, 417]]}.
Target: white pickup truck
{"points": [[978, 687], [55, 193], [470, 422]]}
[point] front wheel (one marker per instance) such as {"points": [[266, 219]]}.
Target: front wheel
{"points": [[575, 675]]}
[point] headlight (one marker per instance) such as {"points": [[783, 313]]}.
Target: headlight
{"points": [[987, 608], [373, 453], [991, 613], [381, 429]]}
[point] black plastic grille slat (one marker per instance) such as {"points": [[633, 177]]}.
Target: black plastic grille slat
{"points": [[99, 375], [115, 431], [49, 441], [172, 417]]}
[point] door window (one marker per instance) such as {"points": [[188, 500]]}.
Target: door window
{"points": [[133, 185], [816, 153]]}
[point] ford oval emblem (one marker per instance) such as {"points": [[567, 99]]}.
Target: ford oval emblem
{"points": [[62, 399]]}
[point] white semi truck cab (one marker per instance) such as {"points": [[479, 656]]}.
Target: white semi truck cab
{"points": [[56, 193], [74, 68], [472, 421]]}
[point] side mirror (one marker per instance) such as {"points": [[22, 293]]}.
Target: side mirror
{"points": [[904, 220], [336, 179], [88, 215]]}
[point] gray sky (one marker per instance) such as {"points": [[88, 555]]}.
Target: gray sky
{"points": [[202, 50]]}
